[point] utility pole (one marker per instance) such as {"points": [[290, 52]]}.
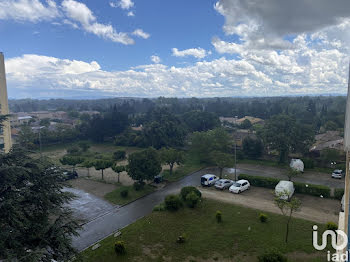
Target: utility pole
{"points": [[235, 160]]}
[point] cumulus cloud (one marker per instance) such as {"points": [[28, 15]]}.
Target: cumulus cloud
{"points": [[28, 10], [130, 13], [195, 52], [141, 33], [80, 13], [125, 4], [155, 59]]}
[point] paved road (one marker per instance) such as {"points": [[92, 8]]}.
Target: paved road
{"points": [[107, 224]]}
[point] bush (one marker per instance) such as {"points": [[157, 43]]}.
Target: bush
{"points": [[124, 193], [267, 182], [192, 199], [182, 239], [272, 256], [119, 155], [160, 207], [172, 202], [218, 216], [188, 189], [139, 185], [308, 163], [119, 248], [263, 218], [313, 190], [338, 193], [331, 226], [73, 150]]}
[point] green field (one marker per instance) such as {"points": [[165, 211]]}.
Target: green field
{"points": [[240, 237], [115, 198]]}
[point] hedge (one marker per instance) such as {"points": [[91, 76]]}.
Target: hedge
{"points": [[269, 182], [338, 193]]}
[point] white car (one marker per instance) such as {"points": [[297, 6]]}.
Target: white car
{"points": [[223, 183], [239, 186], [208, 179], [337, 174]]}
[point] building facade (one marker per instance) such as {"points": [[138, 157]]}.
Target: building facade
{"points": [[5, 131]]}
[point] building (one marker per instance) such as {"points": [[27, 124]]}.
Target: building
{"points": [[5, 132]]}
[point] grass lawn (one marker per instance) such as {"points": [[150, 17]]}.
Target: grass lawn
{"points": [[115, 198], [153, 238], [191, 164]]}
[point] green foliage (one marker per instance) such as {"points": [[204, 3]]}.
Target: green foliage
{"points": [[192, 199], [329, 155], [172, 202], [198, 121], [84, 146], [338, 193], [119, 155], [124, 193], [252, 148], [171, 157], [291, 173], [308, 163], [263, 218], [73, 150], [331, 226], [71, 160], [272, 256], [218, 216], [188, 189], [313, 190], [160, 207], [246, 124], [119, 248], [102, 164], [259, 181], [330, 126], [144, 165], [34, 208], [222, 160], [138, 185]]}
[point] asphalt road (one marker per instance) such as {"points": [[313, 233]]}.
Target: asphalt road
{"points": [[119, 217]]}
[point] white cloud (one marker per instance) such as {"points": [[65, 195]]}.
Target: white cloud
{"points": [[155, 59], [130, 13], [125, 4], [28, 10], [79, 12], [224, 47], [141, 33], [195, 52]]}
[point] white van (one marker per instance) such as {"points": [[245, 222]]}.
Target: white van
{"points": [[284, 189], [208, 180]]}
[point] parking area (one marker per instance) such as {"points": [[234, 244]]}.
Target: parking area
{"points": [[316, 209]]}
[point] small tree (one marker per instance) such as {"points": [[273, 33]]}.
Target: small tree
{"points": [[71, 161], [88, 164], [119, 155], [73, 150], [84, 146], [222, 160], [171, 157], [287, 207], [118, 170], [102, 164], [292, 173]]}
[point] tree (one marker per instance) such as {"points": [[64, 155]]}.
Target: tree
{"points": [[287, 207], [144, 165], [102, 164], [26, 137], [246, 124], [118, 170], [36, 224], [72, 150], [252, 148], [292, 173], [222, 160], [71, 161], [198, 121], [88, 164], [171, 157], [84, 145]]}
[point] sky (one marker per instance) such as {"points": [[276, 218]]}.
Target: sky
{"points": [[182, 48]]}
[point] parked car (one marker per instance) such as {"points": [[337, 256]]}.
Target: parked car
{"points": [[68, 175], [338, 173], [239, 186], [284, 189], [158, 179], [209, 179], [223, 183]]}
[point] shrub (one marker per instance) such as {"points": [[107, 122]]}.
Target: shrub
{"points": [[73, 150], [272, 256], [308, 163], [192, 199], [160, 207], [139, 185], [267, 182], [331, 226], [338, 193], [172, 202], [182, 239], [218, 216], [188, 189], [119, 248], [313, 190], [119, 155], [124, 193], [263, 217]]}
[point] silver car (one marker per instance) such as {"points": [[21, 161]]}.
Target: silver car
{"points": [[337, 174], [223, 183]]}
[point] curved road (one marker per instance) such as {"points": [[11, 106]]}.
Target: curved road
{"points": [[107, 224]]}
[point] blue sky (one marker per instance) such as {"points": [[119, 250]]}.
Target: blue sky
{"points": [[180, 48]]}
